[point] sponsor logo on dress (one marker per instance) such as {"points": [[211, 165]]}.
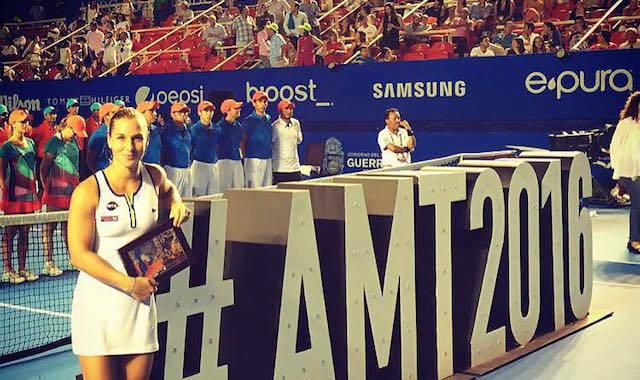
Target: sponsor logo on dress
{"points": [[109, 218], [569, 82], [112, 206]]}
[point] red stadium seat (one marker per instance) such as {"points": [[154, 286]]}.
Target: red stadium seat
{"points": [[420, 48], [436, 54], [443, 46], [618, 38], [561, 14], [413, 56], [211, 63], [230, 65], [596, 14], [156, 67], [188, 44], [182, 66]]}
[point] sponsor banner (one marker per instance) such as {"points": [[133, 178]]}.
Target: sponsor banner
{"points": [[583, 86]]}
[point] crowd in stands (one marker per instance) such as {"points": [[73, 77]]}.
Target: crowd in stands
{"points": [[140, 37]]}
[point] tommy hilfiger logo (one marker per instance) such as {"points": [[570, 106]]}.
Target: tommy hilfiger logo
{"points": [[109, 218], [112, 206]]}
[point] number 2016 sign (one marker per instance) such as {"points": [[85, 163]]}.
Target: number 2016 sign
{"points": [[407, 274]]}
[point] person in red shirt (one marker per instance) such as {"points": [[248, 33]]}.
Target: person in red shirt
{"points": [[93, 121], [305, 55], [41, 135], [333, 49]]}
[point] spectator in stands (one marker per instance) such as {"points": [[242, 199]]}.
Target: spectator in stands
{"points": [[632, 9], [535, 6], [204, 137], [578, 10], [518, 10], [460, 36], [214, 34], [123, 52], [122, 24], [92, 11], [83, 57], [262, 16], [390, 28], [396, 140], [60, 176], [183, 13], [95, 38], [456, 11], [287, 135], [63, 73], [517, 47], [230, 163], [54, 33], [481, 10], [506, 36], [149, 110], [262, 38], [528, 35], [412, 31], [539, 46], [603, 41], [344, 28], [93, 121], [437, 10], [243, 26], [359, 41], [277, 56], [110, 55], [127, 9], [161, 10], [312, 10], [576, 32], [277, 9], [305, 53], [292, 21], [551, 36], [258, 140], [368, 27], [9, 51], [504, 10], [176, 149], [631, 39], [388, 56], [37, 12], [17, 170], [98, 156], [333, 50], [624, 160], [482, 50]]}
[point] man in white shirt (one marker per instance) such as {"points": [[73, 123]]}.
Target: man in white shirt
{"points": [[483, 50], [292, 22], [396, 140], [368, 28], [109, 55], [286, 137], [631, 36], [95, 38]]}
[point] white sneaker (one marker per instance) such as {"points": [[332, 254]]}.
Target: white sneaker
{"points": [[51, 269], [12, 277]]}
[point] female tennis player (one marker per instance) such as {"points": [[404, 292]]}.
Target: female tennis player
{"points": [[113, 317], [19, 193]]}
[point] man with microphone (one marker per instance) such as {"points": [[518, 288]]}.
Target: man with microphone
{"points": [[396, 140]]}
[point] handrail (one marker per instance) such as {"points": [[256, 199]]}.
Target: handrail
{"points": [[596, 25], [52, 45], [232, 56], [161, 38], [167, 50], [379, 36], [342, 18], [47, 21], [332, 10]]}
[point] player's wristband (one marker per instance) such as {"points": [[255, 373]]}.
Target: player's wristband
{"points": [[410, 133]]}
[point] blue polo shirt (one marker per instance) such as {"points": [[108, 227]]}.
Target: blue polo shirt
{"points": [[176, 146], [259, 132], [154, 149], [230, 140], [204, 142], [98, 145]]}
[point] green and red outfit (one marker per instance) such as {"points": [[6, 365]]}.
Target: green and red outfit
{"points": [[20, 195], [63, 176]]}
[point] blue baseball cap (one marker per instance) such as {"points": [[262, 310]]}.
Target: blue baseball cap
{"points": [[3, 109], [72, 102], [49, 110], [119, 102], [95, 106]]}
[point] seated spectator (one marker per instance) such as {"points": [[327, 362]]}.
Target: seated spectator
{"points": [[292, 22], [305, 54], [388, 56], [504, 10], [578, 10], [482, 50], [518, 10], [344, 28], [391, 26], [122, 25], [54, 33], [9, 51], [481, 10], [243, 26], [517, 47], [277, 57], [506, 36], [576, 32], [4, 32], [412, 30], [368, 27], [632, 9], [214, 33], [365, 56], [63, 73], [95, 38], [528, 35], [603, 41], [183, 13], [631, 39], [457, 9], [460, 36], [551, 36], [359, 40], [437, 10], [539, 46], [36, 12]]}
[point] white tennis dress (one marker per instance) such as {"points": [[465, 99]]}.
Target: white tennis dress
{"points": [[105, 320]]}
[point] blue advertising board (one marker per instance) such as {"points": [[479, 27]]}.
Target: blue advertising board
{"points": [[350, 100]]}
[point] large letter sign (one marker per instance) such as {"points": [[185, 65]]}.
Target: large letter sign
{"points": [[416, 273]]}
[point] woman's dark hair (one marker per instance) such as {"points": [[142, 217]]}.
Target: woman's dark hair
{"points": [[551, 26], [531, 26], [535, 48], [606, 35], [393, 10], [631, 107], [520, 43]]}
